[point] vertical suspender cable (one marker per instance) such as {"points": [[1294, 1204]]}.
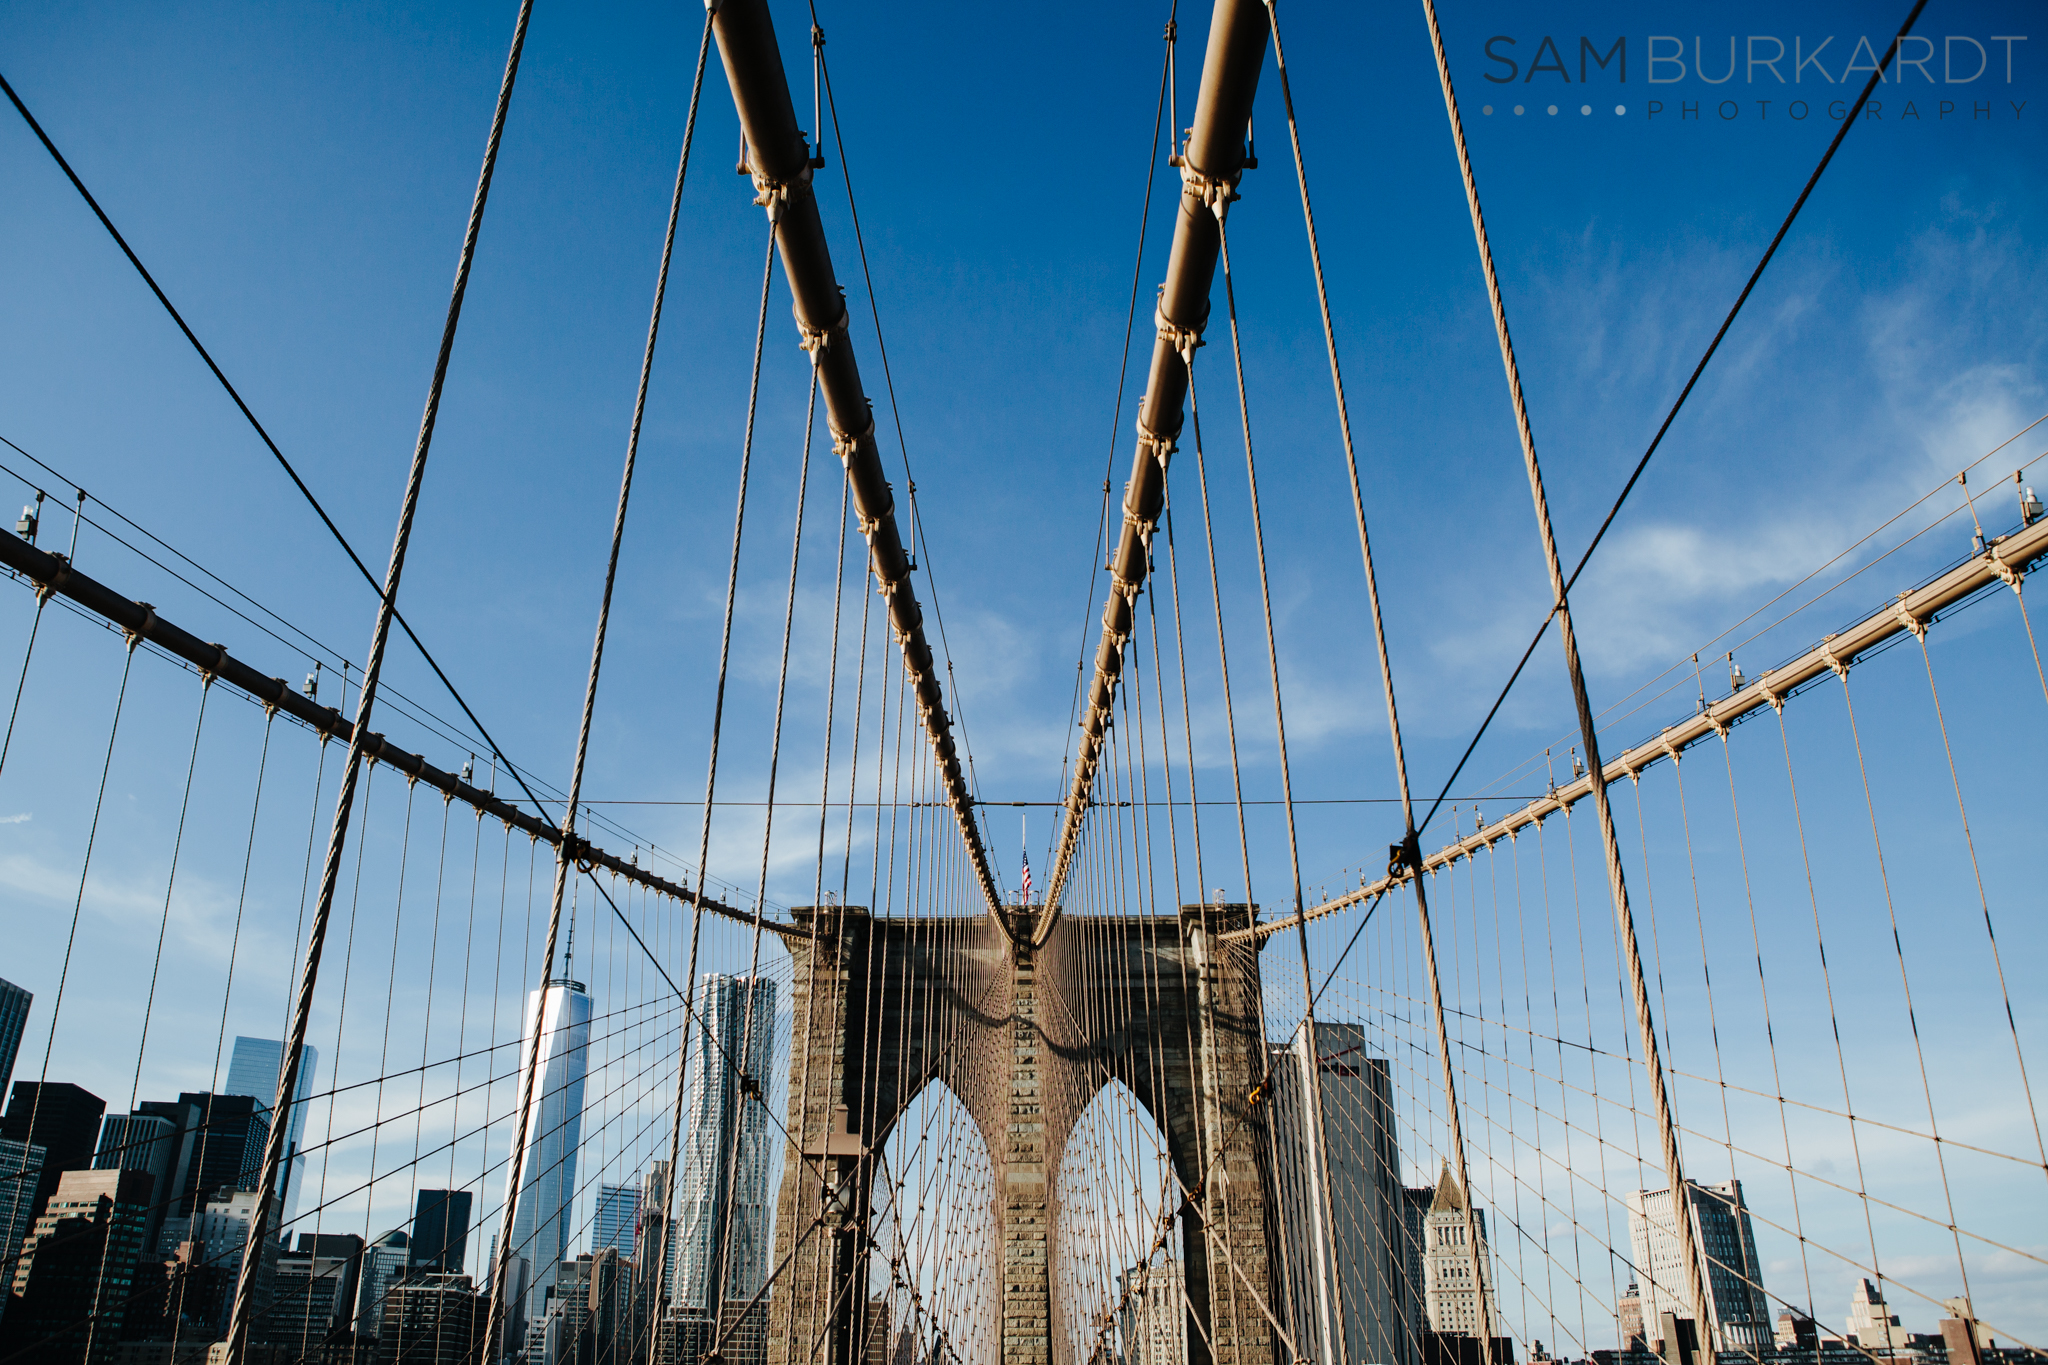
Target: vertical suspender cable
{"points": [[1660, 1100], [288, 1080], [1314, 1080], [565, 852], [1410, 849], [739, 523]]}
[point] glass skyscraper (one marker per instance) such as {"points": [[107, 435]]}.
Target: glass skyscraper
{"points": [[253, 1070], [14, 1003], [616, 1216], [714, 1163], [547, 1178]]}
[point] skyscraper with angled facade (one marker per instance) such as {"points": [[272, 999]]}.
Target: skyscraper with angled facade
{"points": [[727, 1155], [1740, 1315], [253, 1070], [14, 1003], [542, 1221]]}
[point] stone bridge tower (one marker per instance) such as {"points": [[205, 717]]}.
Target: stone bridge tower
{"points": [[1025, 1038]]}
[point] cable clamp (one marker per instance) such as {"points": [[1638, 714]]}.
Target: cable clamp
{"points": [[1160, 448], [1908, 619], [2010, 575], [1771, 694], [1184, 340], [844, 443], [141, 632], [1216, 192], [58, 574], [1828, 656], [270, 707], [773, 195], [206, 674], [815, 339]]}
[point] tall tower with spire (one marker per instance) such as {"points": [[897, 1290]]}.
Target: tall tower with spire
{"points": [[547, 1182]]}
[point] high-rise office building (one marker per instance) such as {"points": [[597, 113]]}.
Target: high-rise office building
{"points": [[77, 1268], [1450, 1290], [253, 1070], [384, 1265], [440, 1232], [142, 1142], [1338, 1197], [1153, 1321], [727, 1154], [1739, 1314], [434, 1320], [185, 1120], [315, 1295], [593, 1303], [14, 1003], [60, 1118], [560, 1017], [19, 1164], [1628, 1320], [221, 1233], [228, 1133], [616, 1217], [654, 1252]]}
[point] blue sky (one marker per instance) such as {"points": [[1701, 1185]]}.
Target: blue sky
{"points": [[297, 179]]}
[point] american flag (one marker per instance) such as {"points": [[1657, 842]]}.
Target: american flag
{"points": [[1027, 873]]}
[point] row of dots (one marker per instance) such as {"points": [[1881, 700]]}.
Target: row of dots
{"points": [[1584, 109]]}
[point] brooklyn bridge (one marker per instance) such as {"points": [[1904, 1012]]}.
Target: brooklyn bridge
{"points": [[1206, 1074]]}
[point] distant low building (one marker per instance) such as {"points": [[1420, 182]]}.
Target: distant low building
{"points": [[1872, 1324]]}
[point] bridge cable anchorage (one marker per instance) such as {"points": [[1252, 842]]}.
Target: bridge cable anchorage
{"points": [[567, 850], [1689, 1252], [263, 435], [240, 1319], [779, 162], [1212, 162], [1693, 379]]}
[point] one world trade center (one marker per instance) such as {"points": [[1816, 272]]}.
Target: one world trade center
{"points": [[554, 1127]]}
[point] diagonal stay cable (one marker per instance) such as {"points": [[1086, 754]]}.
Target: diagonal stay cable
{"points": [[241, 1317], [262, 434], [1811, 181]]}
